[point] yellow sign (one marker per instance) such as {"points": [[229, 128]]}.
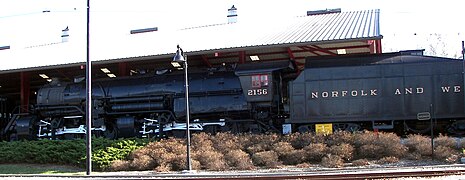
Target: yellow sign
{"points": [[324, 129]]}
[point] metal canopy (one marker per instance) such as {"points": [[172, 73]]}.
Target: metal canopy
{"points": [[332, 34]]}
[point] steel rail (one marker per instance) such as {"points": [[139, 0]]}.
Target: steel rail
{"points": [[380, 173]]}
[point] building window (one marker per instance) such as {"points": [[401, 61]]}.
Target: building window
{"points": [[259, 81]]}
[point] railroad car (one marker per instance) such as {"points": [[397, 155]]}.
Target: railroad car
{"points": [[386, 92]]}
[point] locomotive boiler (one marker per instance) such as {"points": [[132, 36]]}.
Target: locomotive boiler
{"points": [[242, 100]]}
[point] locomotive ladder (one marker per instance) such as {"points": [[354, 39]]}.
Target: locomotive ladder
{"points": [[11, 124]]}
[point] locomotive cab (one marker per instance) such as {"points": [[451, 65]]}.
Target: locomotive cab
{"points": [[264, 88]]}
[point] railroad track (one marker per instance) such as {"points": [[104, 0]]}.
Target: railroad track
{"points": [[377, 173]]}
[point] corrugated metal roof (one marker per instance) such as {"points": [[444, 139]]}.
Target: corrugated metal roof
{"points": [[315, 29]]}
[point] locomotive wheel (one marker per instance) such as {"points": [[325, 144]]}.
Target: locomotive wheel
{"points": [[111, 131], [414, 128], [235, 127], [164, 118], [457, 128], [212, 129]]}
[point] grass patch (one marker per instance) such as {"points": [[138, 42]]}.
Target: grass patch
{"points": [[39, 169]]}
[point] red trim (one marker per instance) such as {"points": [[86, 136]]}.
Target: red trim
{"points": [[318, 48], [25, 90], [280, 59], [241, 57], [371, 44], [289, 52], [310, 50], [123, 69], [379, 49], [205, 60], [292, 57], [349, 47]]}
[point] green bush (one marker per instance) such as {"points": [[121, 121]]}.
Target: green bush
{"points": [[68, 152], [109, 151]]}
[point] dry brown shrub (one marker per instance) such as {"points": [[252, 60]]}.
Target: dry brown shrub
{"points": [[370, 151], [163, 168], [142, 162], [314, 152], [413, 156], [361, 162], [392, 145], [162, 153], [340, 137], [258, 148], [446, 154], [240, 160], [268, 159], [226, 142], [120, 165], [159, 150], [298, 140], [388, 160], [446, 141], [303, 165], [261, 142], [332, 161], [364, 138], [378, 145], [179, 163], [319, 138], [264, 138], [418, 144], [345, 151], [282, 148], [293, 157], [201, 142], [211, 160], [244, 141]]}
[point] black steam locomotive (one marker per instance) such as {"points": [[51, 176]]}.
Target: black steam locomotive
{"points": [[387, 92]]}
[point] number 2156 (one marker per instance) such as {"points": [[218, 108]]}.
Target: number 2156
{"points": [[257, 92]]}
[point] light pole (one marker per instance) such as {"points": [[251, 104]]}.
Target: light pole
{"points": [[88, 98], [177, 60]]}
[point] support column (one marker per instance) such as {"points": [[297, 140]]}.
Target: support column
{"points": [[241, 57], [379, 49], [372, 46], [25, 91], [291, 54], [318, 48], [123, 69], [205, 60]]}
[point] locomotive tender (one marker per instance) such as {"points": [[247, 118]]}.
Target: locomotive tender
{"points": [[385, 91]]}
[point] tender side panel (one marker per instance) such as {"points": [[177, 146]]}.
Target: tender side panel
{"points": [[385, 91]]}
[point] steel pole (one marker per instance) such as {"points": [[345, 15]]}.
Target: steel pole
{"points": [[432, 135], [463, 50], [88, 100], [188, 134]]}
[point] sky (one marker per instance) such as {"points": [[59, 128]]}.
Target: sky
{"points": [[435, 26]]}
